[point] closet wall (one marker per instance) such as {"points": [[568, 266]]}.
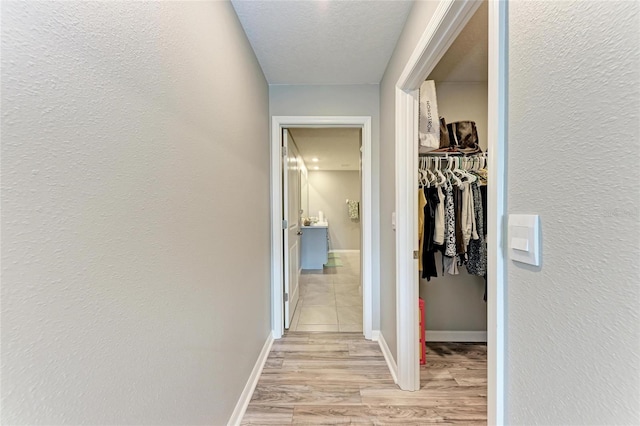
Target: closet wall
{"points": [[455, 303], [464, 100]]}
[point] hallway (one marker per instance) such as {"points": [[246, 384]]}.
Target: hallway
{"points": [[139, 177], [341, 378]]}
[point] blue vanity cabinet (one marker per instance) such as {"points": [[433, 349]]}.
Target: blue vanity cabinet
{"points": [[315, 246]]}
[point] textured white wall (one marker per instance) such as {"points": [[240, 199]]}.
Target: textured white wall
{"points": [[135, 251], [573, 141], [328, 191], [358, 100], [417, 21]]}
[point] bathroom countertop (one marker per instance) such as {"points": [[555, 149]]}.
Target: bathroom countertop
{"points": [[313, 226]]}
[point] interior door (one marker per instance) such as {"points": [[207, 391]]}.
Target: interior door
{"points": [[291, 231]]}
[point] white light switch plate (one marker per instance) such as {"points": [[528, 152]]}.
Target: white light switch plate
{"points": [[524, 238]]}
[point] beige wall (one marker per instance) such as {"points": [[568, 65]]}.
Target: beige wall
{"points": [[459, 101], [328, 191], [574, 145], [454, 303], [135, 251], [356, 100]]}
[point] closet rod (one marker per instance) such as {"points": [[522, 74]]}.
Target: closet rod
{"points": [[451, 154]]}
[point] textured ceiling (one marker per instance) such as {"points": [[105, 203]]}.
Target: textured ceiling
{"points": [[467, 58], [324, 41], [335, 148]]}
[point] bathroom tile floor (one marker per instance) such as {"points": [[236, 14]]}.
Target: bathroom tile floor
{"points": [[331, 298]]}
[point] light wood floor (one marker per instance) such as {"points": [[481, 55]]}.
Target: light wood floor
{"points": [[341, 378]]}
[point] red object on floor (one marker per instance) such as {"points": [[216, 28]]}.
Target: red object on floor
{"points": [[423, 343]]}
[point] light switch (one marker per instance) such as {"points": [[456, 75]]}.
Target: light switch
{"points": [[520, 244], [524, 238]]}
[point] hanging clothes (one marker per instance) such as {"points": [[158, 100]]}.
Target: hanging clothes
{"points": [[457, 206], [467, 215], [422, 203], [429, 269], [477, 253], [449, 222], [450, 265], [438, 233], [452, 217], [354, 209], [483, 197]]}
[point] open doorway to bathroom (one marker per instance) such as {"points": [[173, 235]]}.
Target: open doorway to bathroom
{"points": [[329, 171]]}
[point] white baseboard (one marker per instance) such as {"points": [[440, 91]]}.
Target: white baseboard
{"points": [[455, 336], [391, 363], [247, 392], [375, 335], [344, 251]]}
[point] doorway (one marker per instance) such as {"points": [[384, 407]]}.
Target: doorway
{"points": [[280, 269], [448, 22], [324, 169]]}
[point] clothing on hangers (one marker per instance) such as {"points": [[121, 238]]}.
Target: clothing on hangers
{"points": [[477, 254], [467, 216], [449, 222], [422, 203], [438, 234], [429, 268], [452, 216]]}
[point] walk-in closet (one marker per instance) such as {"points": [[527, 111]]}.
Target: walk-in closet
{"points": [[452, 214]]}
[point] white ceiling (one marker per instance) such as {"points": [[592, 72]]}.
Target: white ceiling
{"points": [[467, 58], [323, 41], [335, 148]]}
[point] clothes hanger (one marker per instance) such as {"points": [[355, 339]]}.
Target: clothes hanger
{"points": [[471, 177], [451, 171], [432, 177], [457, 167], [423, 173], [442, 177], [464, 170], [475, 167], [431, 167]]}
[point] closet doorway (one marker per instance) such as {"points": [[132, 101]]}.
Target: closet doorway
{"points": [[324, 169], [448, 22], [321, 224]]}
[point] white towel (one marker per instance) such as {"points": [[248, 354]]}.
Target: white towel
{"points": [[354, 209]]}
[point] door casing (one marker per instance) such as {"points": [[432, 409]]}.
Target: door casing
{"points": [[277, 260], [448, 21]]}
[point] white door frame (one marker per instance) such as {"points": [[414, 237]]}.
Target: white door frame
{"points": [[277, 278], [449, 19]]}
